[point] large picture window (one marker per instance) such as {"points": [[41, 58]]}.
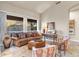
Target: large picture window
{"points": [[32, 25], [14, 23]]}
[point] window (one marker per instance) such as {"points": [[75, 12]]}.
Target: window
{"points": [[14, 23], [32, 25]]}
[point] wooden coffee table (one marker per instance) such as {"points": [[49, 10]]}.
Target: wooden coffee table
{"points": [[36, 44]]}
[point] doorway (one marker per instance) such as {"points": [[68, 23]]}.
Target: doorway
{"points": [[74, 23]]}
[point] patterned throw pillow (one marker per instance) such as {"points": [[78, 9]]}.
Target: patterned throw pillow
{"points": [[13, 35], [21, 35], [28, 34]]}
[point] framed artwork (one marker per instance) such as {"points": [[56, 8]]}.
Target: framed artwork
{"points": [[71, 26], [51, 25]]}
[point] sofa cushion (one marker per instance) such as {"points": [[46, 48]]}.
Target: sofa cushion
{"points": [[28, 34], [34, 34], [21, 35], [14, 35]]}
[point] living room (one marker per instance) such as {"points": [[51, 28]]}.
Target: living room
{"points": [[29, 26]]}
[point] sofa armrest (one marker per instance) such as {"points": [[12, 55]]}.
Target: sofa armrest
{"points": [[20, 42], [14, 38]]}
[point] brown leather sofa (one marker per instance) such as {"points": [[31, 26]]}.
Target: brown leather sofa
{"points": [[20, 39]]}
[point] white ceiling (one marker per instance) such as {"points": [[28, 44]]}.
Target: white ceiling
{"points": [[75, 8], [36, 6], [68, 4], [41, 6]]}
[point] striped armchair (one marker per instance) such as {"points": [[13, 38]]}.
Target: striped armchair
{"points": [[48, 51]]}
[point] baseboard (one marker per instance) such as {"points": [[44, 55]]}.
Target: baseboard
{"points": [[75, 40]]}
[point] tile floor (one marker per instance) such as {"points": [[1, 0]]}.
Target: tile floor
{"points": [[23, 51]]}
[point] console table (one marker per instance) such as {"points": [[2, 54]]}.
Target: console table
{"points": [[49, 37]]}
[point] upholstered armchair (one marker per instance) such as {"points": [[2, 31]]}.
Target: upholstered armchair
{"points": [[47, 51]]}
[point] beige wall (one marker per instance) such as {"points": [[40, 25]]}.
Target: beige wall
{"points": [[57, 14], [7, 9], [16, 11], [75, 15]]}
